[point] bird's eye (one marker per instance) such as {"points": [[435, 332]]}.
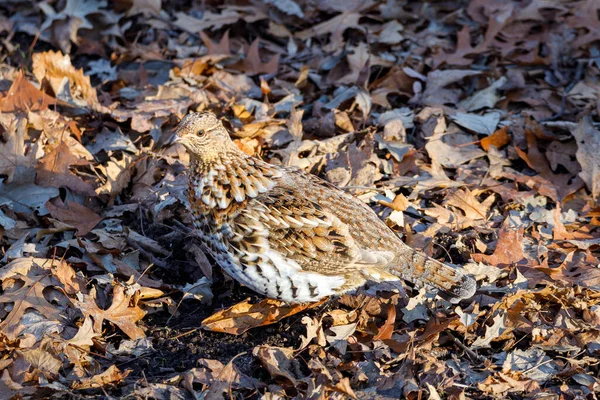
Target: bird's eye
{"points": [[201, 132]]}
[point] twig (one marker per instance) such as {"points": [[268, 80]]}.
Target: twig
{"points": [[472, 355]]}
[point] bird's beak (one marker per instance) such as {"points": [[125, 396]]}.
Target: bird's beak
{"points": [[174, 139]]}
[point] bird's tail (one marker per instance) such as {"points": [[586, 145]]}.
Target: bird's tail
{"points": [[420, 269]]}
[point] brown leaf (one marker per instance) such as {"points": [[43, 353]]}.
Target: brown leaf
{"points": [[25, 284], [253, 65], [53, 170], [386, 330], [336, 26], [497, 139], [41, 363], [23, 96], [466, 201], [111, 376], [78, 216], [14, 154], [221, 48], [509, 250], [279, 362], [588, 155], [120, 313], [211, 371], [243, 316]]}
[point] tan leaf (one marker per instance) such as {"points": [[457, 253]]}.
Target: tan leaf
{"points": [[13, 151], [243, 316], [120, 313], [84, 335], [41, 363], [30, 295], [279, 361], [336, 26], [54, 67], [466, 201], [111, 376], [588, 155]]}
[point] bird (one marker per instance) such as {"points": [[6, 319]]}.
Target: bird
{"points": [[290, 235]]}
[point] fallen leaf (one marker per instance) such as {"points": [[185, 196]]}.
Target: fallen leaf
{"points": [[223, 47], [15, 157], [24, 282], [53, 170], [120, 313], [588, 154], [509, 249], [23, 96], [253, 65], [497, 139], [243, 316], [336, 26], [112, 375], [279, 362], [76, 215], [69, 84], [481, 124]]}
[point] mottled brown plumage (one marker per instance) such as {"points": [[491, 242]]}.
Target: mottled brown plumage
{"points": [[288, 234]]}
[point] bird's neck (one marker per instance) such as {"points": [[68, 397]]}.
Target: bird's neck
{"points": [[229, 179]]}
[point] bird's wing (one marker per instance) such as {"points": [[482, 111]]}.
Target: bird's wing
{"points": [[280, 234]]}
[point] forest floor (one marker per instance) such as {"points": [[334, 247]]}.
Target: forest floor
{"points": [[472, 128]]}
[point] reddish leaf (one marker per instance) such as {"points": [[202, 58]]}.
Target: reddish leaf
{"points": [[53, 170], [509, 249], [23, 96], [78, 216], [497, 139]]}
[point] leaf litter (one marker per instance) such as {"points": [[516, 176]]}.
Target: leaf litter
{"points": [[471, 129]]}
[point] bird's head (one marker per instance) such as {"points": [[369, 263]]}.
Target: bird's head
{"points": [[203, 135]]}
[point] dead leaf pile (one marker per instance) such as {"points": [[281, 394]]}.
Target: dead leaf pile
{"points": [[472, 129]]}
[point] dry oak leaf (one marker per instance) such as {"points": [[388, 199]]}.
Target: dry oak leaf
{"points": [[253, 65], [466, 201], [55, 67], [588, 155], [111, 376], [243, 316], [336, 26], [223, 47], [13, 151], [74, 214], [279, 362], [119, 313], [210, 371], [214, 21], [23, 96], [509, 250], [23, 285], [53, 170], [40, 362]]}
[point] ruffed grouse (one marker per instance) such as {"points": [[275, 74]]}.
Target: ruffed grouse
{"points": [[290, 235]]}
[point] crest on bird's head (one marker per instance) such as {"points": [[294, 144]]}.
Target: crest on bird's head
{"points": [[203, 135]]}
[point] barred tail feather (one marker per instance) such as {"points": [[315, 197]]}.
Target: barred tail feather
{"points": [[416, 267]]}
